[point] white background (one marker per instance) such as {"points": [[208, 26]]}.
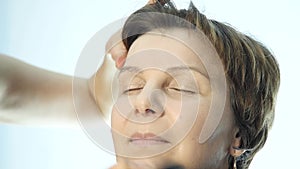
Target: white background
{"points": [[51, 34]]}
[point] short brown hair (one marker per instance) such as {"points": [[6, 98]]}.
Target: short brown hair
{"points": [[251, 69]]}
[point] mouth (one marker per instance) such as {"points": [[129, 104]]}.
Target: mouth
{"points": [[147, 139]]}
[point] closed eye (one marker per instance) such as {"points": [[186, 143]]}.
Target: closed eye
{"points": [[132, 90], [182, 90]]}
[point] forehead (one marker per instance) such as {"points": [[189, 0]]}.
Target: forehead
{"points": [[170, 48], [173, 41]]}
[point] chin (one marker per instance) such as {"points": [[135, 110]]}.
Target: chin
{"points": [[145, 163], [157, 162]]}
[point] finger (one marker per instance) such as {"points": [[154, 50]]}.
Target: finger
{"points": [[162, 2], [120, 62], [151, 2], [113, 41], [117, 51]]}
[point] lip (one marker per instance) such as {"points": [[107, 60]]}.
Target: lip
{"points": [[147, 139]]}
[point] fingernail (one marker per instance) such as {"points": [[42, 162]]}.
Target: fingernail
{"points": [[120, 62]]}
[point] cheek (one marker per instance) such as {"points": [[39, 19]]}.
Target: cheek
{"points": [[172, 109], [121, 112], [215, 149], [193, 114], [192, 154], [191, 121], [117, 120]]}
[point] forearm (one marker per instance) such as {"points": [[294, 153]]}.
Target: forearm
{"points": [[30, 95]]}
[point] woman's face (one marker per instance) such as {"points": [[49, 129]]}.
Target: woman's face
{"points": [[165, 97]]}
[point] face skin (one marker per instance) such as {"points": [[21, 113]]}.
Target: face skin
{"points": [[164, 98]]}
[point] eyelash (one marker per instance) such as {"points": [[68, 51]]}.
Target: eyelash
{"points": [[182, 90], [132, 89], [173, 88]]}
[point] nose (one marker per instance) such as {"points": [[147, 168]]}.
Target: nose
{"points": [[143, 105], [150, 102]]}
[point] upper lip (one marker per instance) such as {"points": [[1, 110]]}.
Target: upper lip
{"points": [[146, 136]]}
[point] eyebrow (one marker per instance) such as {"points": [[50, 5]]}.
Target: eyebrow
{"points": [[186, 68], [134, 69]]}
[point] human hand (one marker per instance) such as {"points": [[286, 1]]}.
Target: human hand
{"points": [[116, 47]]}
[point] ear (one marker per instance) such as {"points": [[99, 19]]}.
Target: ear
{"points": [[235, 149]]}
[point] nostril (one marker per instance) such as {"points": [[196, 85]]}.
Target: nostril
{"points": [[149, 111]]}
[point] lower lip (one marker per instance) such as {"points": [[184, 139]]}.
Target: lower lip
{"points": [[148, 142]]}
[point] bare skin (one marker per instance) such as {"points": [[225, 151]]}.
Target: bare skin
{"points": [[131, 113], [34, 96], [31, 95]]}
